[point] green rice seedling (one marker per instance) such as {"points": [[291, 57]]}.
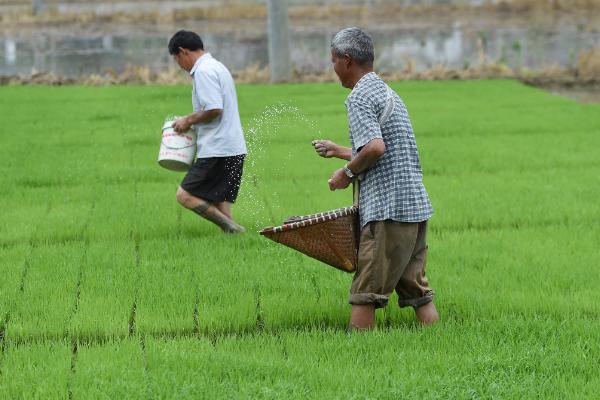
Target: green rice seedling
{"points": [[487, 201], [297, 291], [283, 201], [165, 297], [36, 371], [49, 292], [265, 374], [156, 211], [402, 357], [523, 269], [113, 218], [276, 288], [227, 288], [44, 212], [13, 261], [196, 368], [275, 279], [487, 108], [461, 359], [64, 223], [181, 368], [93, 231], [107, 292], [110, 370], [334, 288], [19, 225], [479, 154]]}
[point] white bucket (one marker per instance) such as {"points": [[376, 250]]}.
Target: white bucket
{"points": [[177, 151]]}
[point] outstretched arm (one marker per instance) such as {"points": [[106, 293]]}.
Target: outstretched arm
{"points": [[328, 149]]}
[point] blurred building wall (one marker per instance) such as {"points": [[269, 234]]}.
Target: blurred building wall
{"points": [[117, 6]]}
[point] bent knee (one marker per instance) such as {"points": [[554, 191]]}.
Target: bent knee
{"points": [[182, 196]]}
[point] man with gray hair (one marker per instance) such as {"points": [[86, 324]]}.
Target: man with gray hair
{"points": [[393, 203]]}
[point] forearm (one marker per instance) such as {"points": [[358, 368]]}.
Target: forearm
{"points": [[367, 156], [345, 153], [200, 117]]}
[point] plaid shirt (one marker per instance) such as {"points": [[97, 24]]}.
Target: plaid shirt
{"points": [[393, 187]]}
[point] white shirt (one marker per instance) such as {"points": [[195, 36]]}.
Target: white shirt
{"points": [[214, 88]]}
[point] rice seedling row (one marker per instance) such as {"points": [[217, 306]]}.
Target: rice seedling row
{"points": [[109, 289]]}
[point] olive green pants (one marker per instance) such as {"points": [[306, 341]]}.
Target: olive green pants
{"points": [[391, 256]]}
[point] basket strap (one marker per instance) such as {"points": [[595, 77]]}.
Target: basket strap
{"points": [[355, 191], [388, 107]]}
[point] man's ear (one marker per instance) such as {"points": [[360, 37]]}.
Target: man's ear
{"points": [[347, 60], [182, 51]]}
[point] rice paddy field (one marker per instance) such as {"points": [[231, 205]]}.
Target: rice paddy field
{"points": [[109, 289]]}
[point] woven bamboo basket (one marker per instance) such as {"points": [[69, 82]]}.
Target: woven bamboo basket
{"points": [[330, 237]]}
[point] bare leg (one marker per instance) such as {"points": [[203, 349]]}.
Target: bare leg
{"points": [[225, 208], [427, 314], [208, 211], [362, 317]]}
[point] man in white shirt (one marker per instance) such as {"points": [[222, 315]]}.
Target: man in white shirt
{"points": [[211, 185]]}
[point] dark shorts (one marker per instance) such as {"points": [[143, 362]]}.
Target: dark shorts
{"points": [[215, 179], [391, 257]]}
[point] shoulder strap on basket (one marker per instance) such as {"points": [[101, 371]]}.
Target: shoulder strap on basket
{"points": [[389, 106]]}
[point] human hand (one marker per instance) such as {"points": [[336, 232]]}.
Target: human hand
{"points": [[339, 180], [181, 125], [325, 148]]}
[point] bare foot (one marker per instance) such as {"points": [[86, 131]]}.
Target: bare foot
{"points": [[233, 227]]}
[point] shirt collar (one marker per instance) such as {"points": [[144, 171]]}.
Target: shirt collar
{"points": [[199, 61], [366, 77]]}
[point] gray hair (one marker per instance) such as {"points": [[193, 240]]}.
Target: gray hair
{"points": [[354, 42]]}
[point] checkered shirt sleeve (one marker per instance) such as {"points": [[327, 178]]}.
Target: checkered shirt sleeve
{"points": [[362, 119]]}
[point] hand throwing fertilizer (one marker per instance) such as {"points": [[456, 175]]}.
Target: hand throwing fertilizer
{"points": [[333, 236], [177, 151], [330, 237]]}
